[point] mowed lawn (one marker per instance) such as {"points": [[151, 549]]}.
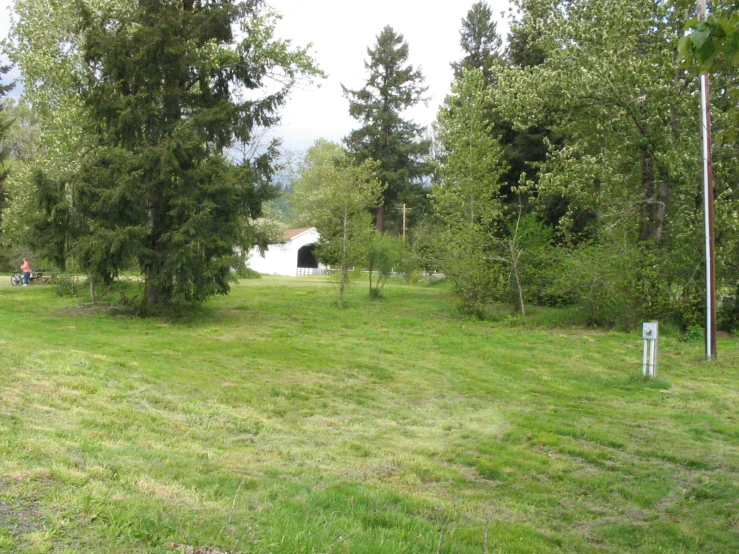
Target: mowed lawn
{"points": [[270, 421]]}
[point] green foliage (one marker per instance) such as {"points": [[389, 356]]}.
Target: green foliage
{"points": [[620, 283], [604, 283], [411, 264], [524, 147], [619, 171], [712, 47], [244, 272], [160, 84], [255, 232], [21, 137], [468, 207], [5, 125], [711, 42], [693, 333], [335, 196], [137, 104], [384, 136], [480, 42], [727, 315], [65, 284], [385, 255], [54, 131], [5, 147], [53, 226], [464, 258], [615, 84]]}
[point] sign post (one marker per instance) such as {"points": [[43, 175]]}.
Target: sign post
{"points": [[649, 334]]}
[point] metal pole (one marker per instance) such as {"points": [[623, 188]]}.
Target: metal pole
{"points": [[708, 207], [653, 358], [645, 359]]}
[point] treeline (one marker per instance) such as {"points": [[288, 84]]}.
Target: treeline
{"points": [[563, 169], [596, 124], [144, 120]]}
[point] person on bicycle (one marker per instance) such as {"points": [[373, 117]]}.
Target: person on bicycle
{"points": [[26, 269]]}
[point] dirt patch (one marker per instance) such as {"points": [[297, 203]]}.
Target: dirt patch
{"points": [[83, 310], [187, 549], [19, 518]]}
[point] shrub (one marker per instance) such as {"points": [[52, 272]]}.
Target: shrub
{"points": [[244, 272], [727, 315], [65, 284], [616, 284]]}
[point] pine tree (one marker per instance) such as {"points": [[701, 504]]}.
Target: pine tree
{"points": [[159, 189], [481, 43], [385, 136]]}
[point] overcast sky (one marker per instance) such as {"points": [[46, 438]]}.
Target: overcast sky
{"points": [[340, 32]]}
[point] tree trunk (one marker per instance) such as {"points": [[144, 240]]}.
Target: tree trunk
{"points": [[370, 268], [381, 218], [91, 282], [152, 291], [344, 260], [517, 276], [656, 195]]}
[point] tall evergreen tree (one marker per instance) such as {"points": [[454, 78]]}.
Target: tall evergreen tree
{"points": [[480, 42], [392, 87], [161, 87]]}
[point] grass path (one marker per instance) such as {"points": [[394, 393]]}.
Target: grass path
{"points": [[270, 421]]}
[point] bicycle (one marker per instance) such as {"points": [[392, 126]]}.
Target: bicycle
{"points": [[17, 277]]}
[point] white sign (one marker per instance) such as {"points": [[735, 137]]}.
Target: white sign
{"points": [[649, 333]]}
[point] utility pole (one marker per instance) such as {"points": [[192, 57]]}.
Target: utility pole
{"points": [[404, 211], [708, 207]]}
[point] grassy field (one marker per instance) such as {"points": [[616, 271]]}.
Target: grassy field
{"points": [[270, 421]]}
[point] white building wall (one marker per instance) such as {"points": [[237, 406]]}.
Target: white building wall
{"points": [[281, 259]]}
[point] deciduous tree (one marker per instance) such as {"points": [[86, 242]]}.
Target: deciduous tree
{"points": [[631, 153], [335, 196], [468, 204], [5, 123], [5, 147]]}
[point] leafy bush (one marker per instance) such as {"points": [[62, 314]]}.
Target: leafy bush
{"points": [[385, 253], [692, 333], [65, 284], [244, 272], [727, 315], [616, 284]]}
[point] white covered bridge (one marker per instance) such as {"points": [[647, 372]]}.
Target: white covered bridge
{"points": [[295, 255]]}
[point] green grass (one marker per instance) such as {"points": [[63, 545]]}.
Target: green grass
{"points": [[271, 421]]}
